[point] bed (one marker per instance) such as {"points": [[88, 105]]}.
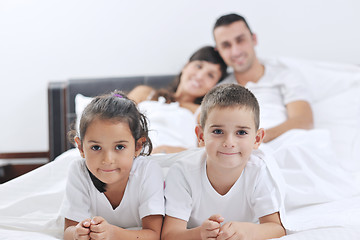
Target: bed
{"points": [[29, 204]]}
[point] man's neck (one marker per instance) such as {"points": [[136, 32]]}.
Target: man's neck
{"points": [[251, 75]]}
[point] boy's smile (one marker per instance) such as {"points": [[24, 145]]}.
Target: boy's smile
{"points": [[229, 136]]}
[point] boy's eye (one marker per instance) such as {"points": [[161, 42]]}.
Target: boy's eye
{"points": [[241, 132], [96, 148], [217, 131], [119, 147]]}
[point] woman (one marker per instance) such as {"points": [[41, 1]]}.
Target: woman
{"points": [[172, 112]]}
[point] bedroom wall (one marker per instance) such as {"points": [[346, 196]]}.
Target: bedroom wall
{"points": [[42, 41]]}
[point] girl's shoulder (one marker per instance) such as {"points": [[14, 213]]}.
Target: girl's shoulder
{"points": [[144, 166]]}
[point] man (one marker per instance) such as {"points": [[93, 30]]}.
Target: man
{"points": [[284, 101]]}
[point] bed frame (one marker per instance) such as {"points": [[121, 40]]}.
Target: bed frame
{"points": [[61, 102]]}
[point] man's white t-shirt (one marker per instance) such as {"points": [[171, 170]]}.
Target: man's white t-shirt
{"points": [[275, 89], [143, 196], [190, 196]]}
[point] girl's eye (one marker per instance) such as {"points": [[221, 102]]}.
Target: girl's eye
{"points": [[119, 147], [96, 148], [241, 132], [217, 131]]}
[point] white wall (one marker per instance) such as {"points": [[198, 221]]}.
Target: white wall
{"points": [[42, 41]]}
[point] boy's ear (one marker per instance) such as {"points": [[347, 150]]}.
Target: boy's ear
{"points": [[200, 135], [260, 134], [79, 146]]}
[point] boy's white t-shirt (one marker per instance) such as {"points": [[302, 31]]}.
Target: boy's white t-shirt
{"points": [[190, 196], [144, 195]]}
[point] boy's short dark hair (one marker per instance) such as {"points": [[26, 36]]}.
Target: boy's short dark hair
{"points": [[229, 95], [228, 19]]}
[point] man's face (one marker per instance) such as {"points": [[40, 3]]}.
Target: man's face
{"points": [[236, 45]]}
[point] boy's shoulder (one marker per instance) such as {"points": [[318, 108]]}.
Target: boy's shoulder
{"points": [[258, 159]]}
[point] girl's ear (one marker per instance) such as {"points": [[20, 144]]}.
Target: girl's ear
{"points": [[200, 135], [260, 134], [139, 145], [79, 146]]}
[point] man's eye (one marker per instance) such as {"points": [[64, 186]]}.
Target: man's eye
{"points": [[119, 147], [217, 131], [241, 132], [96, 148]]}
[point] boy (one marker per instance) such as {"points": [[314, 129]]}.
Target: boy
{"points": [[222, 191]]}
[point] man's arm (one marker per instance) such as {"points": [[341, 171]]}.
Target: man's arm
{"points": [[299, 116]]}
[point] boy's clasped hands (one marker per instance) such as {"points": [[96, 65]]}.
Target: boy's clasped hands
{"points": [[95, 228], [212, 229]]}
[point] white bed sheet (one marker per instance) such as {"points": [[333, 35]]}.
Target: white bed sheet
{"points": [[29, 204]]}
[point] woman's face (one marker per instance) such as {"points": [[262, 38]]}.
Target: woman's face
{"points": [[198, 77]]}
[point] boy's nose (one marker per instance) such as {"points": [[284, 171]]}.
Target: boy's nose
{"points": [[228, 143]]}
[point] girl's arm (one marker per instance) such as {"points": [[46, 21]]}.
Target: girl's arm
{"points": [[175, 228], [151, 228], [270, 227], [75, 230]]}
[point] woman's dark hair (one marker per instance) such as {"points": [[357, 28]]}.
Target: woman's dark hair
{"points": [[208, 54]]}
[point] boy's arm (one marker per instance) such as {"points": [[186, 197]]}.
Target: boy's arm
{"points": [[151, 228], [299, 116], [270, 227]]}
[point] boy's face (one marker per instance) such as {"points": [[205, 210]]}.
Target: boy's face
{"points": [[229, 136]]}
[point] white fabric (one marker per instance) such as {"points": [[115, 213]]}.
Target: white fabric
{"points": [[278, 87], [143, 195], [190, 196], [29, 204], [306, 158], [169, 124]]}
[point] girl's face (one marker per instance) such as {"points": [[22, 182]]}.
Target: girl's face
{"points": [[109, 149], [198, 77]]}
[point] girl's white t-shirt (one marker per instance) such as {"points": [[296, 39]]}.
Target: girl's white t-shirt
{"points": [[143, 196]]}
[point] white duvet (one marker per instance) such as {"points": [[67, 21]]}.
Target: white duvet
{"points": [[29, 204]]}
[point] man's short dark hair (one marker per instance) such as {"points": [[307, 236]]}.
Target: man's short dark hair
{"points": [[228, 19]]}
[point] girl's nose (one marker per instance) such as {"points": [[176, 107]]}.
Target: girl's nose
{"points": [[108, 158]]}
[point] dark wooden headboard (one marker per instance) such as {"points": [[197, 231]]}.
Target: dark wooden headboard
{"points": [[61, 102]]}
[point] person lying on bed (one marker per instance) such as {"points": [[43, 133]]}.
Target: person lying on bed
{"points": [[226, 189], [284, 100], [173, 112], [113, 188], [305, 155]]}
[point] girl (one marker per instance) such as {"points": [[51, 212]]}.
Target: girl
{"points": [[181, 100], [113, 188]]}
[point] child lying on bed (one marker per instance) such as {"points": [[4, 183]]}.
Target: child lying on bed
{"points": [[224, 190], [113, 188]]}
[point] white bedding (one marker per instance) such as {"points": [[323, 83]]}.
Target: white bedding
{"points": [[29, 204]]}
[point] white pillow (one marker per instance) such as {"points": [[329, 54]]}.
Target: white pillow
{"points": [[80, 104]]}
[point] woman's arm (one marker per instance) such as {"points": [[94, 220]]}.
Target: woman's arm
{"points": [[299, 116], [140, 93]]}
